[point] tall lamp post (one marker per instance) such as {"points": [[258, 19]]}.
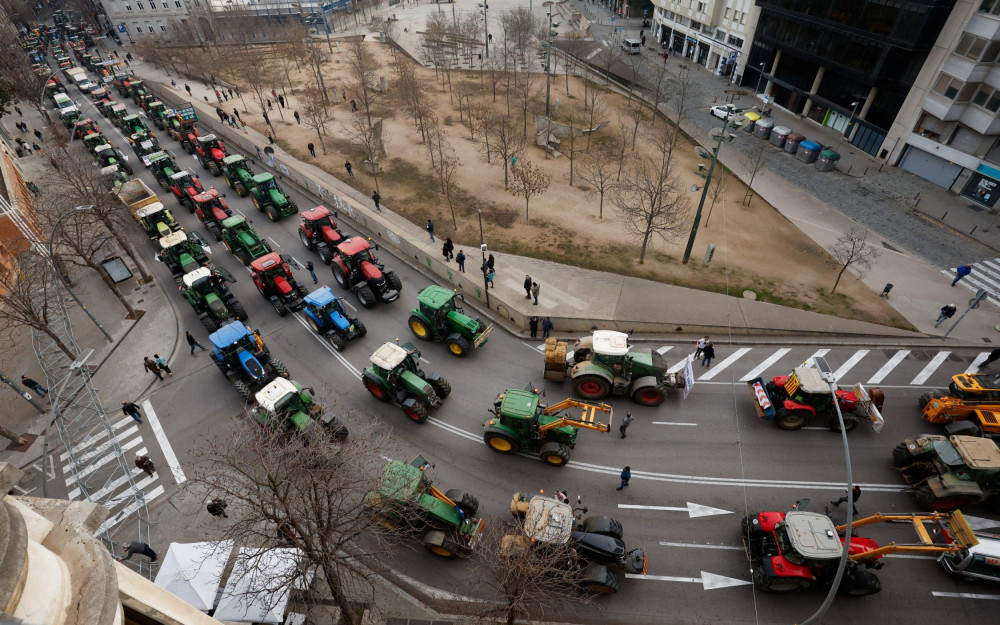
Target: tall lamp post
{"points": [[847, 128], [548, 58], [704, 190], [486, 28], [52, 260], [760, 75]]}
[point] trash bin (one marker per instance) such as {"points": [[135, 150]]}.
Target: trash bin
{"points": [[762, 129], [827, 160], [808, 151], [793, 141], [779, 135], [751, 120]]}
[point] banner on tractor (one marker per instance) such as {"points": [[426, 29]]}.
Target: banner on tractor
{"points": [[188, 114]]}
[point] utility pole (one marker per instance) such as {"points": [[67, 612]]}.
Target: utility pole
{"points": [[548, 58], [486, 28], [704, 191]]}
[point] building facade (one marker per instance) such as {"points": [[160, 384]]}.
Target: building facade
{"points": [[135, 19], [710, 33]]}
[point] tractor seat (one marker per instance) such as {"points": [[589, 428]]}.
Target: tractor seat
{"points": [[218, 213], [282, 285], [329, 234]]}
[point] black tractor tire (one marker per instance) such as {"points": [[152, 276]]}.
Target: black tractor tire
{"points": [[600, 580], [603, 525], [209, 323], [458, 346], [769, 584], [237, 309], [243, 390], [281, 309], [214, 230], [128, 170], [244, 257], [325, 253], [366, 297], [926, 398], [927, 500], [420, 329], [240, 188], [306, 241], [441, 545], [213, 167], [294, 206], [339, 277], [336, 341], [394, 282], [901, 455], [859, 583], [442, 388], [793, 419], [500, 442], [279, 367], [314, 325], [188, 204], [362, 330], [376, 387], [417, 412], [188, 147], [850, 423], [649, 396], [554, 454], [465, 502], [272, 212], [163, 184], [591, 387], [256, 203]]}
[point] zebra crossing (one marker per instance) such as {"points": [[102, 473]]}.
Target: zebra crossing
{"points": [[888, 367], [985, 275]]}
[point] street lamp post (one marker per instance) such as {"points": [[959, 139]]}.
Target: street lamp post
{"points": [[760, 75], [847, 128], [548, 58], [704, 191], [486, 28], [52, 260]]}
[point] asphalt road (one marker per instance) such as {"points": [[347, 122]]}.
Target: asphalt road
{"points": [[710, 449]]}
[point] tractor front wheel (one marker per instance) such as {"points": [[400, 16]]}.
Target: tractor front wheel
{"points": [[793, 419], [306, 241], [419, 328], [900, 455], [459, 346], [600, 580], [366, 297], [859, 584], [440, 545], [244, 257], [336, 341], [465, 502], [339, 277], [209, 323], [213, 167], [280, 308], [417, 412], [237, 309], [272, 212], [394, 282], [554, 454], [243, 390], [214, 230], [362, 330], [649, 396], [927, 500], [850, 422], [500, 442], [591, 386], [325, 253], [279, 367], [442, 388]]}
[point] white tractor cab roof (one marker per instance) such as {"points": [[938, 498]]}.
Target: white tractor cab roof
{"points": [[610, 343], [109, 170], [193, 276], [269, 396], [977, 452], [389, 356], [813, 535], [173, 239], [206, 138], [149, 209], [810, 380], [179, 174], [100, 148], [549, 520]]}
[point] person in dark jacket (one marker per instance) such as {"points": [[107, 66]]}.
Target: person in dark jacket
{"points": [[136, 547], [34, 385], [131, 410], [960, 273], [947, 312], [707, 354]]}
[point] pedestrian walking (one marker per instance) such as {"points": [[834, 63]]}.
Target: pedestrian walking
{"points": [[546, 327], [993, 357], [152, 367], [625, 423], [534, 292], [350, 170], [225, 97], [218, 96], [267, 120], [136, 547], [220, 113], [38, 134], [961, 272], [311, 268], [533, 327], [193, 342], [236, 113], [270, 139], [131, 410], [490, 261], [270, 106], [35, 386], [947, 312], [36, 147], [259, 155], [377, 198], [230, 89], [707, 354], [354, 106], [527, 287], [144, 463], [161, 362], [312, 148], [856, 491], [217, 507], [298, 120], [448, 249], [281, 101], [430, 229], [702, 342], [128, 57], [19, 113], [460, 259], [626, 476], [188, 89], [490, 274], [34, 188]]}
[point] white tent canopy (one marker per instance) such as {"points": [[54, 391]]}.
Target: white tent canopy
{"points": [[193, 571], [257, 590]]}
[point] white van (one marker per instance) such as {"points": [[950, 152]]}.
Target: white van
{"points": [[63, 102], [631, 46]]}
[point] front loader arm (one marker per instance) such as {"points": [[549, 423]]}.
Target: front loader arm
{"points": [[587, 418], [949, 531]]}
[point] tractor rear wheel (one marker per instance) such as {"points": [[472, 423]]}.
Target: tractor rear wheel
{"points": [[336, 341], [272, 212], [279, 367], [850, 423], [793, 419], [243, 390], [468, 504], [554, 454], [366, 297], [439, 544], [649, 396], [377, 388], [208, 322], [163, 183], [419, 328], [306, 241], [417, 412], [927, 500], [240, 188], [213, 167], [459, 346], [394, 282], [500, 442], [442, 388], [188, 204], [591, 386], [314, 325], [900, 455], [600, 580], [338, 275]]}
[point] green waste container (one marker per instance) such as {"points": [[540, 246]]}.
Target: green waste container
{"points": [[827, 160]]}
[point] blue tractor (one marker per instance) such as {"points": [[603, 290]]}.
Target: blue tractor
{"points": [[241, 355], [327, 317]]}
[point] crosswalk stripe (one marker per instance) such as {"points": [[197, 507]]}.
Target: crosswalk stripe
{"points": [[847, 366], [987, 269], [812, 359], [86, 457], [974, 367], [88, 442], [678, 366], [109, 488], [773, 358], [115, 520], [73, 479], [664, 349], [126, 495], [714, 371], [931, 367], [889, 366]]}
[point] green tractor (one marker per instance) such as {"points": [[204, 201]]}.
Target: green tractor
{"points": [[113, 177], [156, 221], [162, 168], [238, 175], [132, 125], [207, 292], [93, 140], [157, 113], [143, 145], [439, 318], [268, 197], [107, 156], [182, 253], [406, 498], [521, 423], [950, 472], [394, 376], [285, 407], [242, 240]]}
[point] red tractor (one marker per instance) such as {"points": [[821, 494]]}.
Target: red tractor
{"points": [[211, 210], [210, 152], [318, 231], [356, 269], [273, 278], [85, 127], [183, 131], [803, 397], [185, 186]]}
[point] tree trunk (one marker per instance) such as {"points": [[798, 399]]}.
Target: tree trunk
{"points": [[526, 199], [58, 341], [600, 209], [842, 270], [12, 436], [504, 171], [336, 586]]}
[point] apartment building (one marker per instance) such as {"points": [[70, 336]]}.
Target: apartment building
{"points": [[135, 19], [710, 33]]}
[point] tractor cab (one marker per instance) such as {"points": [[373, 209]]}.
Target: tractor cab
{"points": [[323, 306], [522, 411], [202, 280], [265, 183], [397, 363], [84, 127], [237, 339], [98, 94], [437, 304], [358, 251], [287, 402], [93, 140], [805, 386], [156, 220], [319, 226], [212, 205], [132, 125], [184, 179], [143, 144], [975, 387], [547, 520], [179, 252], [610, 349], [113, 176], [210, 145], [69, 116]]}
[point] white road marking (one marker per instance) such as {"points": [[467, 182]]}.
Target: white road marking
{"points": [[593, 54], [810, 361], [931, 367], [677, 367], [128, 510], [273, 241], [964, 595], [672, 423], [241, 212], [335, 353], [73, 494], [99, 463], [773, 358], [722, 366], [693, 546], [847, 366], [889, 366], [161, 438], [694, 510], [974, 367], [708, 581], [664, 349], [424, 360]]}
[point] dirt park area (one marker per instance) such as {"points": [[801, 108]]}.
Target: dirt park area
{"points": [[757, 250]]}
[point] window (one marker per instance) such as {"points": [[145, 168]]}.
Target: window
{"points": [[947, 86], [695, 26], [152, 6], [970, 46], [990, 6], [988, 98], [727, 13], [177, 3], [720, 35], [966, 93], [736, 42], [701, 7]]}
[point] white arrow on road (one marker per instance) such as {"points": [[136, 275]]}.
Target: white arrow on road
{"points": [[979, 523], [694, 510], [708, 581], [955, 595]]}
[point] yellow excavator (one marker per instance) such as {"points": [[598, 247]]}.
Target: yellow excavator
{"points": [[972, 399]]}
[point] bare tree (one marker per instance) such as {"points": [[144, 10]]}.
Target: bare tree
{"points": [[599, 172], [716, 190], [506, 140], [447, 164], [368, 137], [529, 181], [595, 108], [623, 126], [573, 117], [17, 80], [526, 91], [633, 62], [852, 250], [249, 64], [606, 59], [416, 101], [316, 112], [27, 289], [636, 115], [363, 68], [754, 160]]}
